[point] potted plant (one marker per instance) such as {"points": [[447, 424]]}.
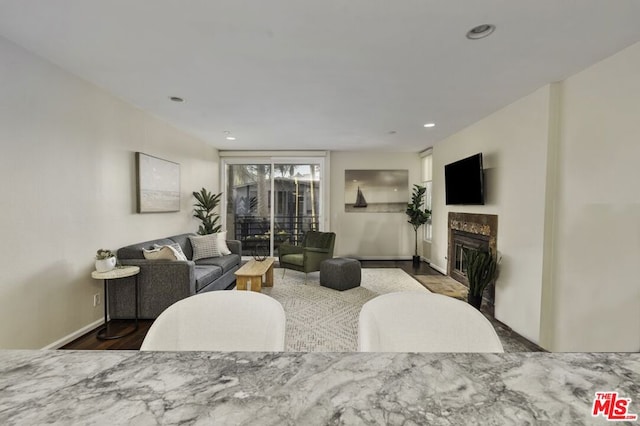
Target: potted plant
{"points": [[105, 260], [417, 216], [482, 270], [206, 203]]}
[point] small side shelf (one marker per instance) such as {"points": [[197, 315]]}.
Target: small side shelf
{"points": [[113, 275]]}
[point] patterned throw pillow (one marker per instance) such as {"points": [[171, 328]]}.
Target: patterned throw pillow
{"points": [[177, 250], [205, 246], [162, 253], [212, 245]]}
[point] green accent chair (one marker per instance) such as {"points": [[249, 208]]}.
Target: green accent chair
{"points": [[316, 247]]}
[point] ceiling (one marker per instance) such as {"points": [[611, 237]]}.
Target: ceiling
{"points": [[303, 74]]}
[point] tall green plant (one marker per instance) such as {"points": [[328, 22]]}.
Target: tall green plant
{"points": [[417, 215], [204, 210], [482, 269]]}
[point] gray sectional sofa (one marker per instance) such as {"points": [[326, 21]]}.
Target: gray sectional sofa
{"points": [[164, 282]]}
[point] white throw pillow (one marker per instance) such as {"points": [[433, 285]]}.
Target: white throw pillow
{"points": [[222, 243], [162, 253], [177, 250]]}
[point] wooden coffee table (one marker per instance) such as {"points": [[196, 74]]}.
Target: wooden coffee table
{"points": [[251, 274]]}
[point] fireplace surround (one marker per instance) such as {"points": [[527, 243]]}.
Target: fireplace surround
{"points": [[471, 231]]}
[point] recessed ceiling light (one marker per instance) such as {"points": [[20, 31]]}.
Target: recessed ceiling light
{"points": [[430, 125], [230, 138], [481, 31], [176, 99]]}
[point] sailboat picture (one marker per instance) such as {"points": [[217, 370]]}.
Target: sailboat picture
{"points": [[387, 191], [360, 200]]}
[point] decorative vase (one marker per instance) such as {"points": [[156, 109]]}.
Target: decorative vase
{"points": [[416, 261], [260, 252], [105, 265], [474, 300]]}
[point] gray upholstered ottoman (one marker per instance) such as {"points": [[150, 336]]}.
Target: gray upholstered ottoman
{"points": [[340, 273]]}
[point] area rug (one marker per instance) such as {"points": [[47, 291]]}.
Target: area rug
{"points": [[444, 285], [321, 319]]}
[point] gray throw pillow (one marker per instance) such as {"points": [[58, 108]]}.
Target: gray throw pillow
{"points": [[205, 246]]}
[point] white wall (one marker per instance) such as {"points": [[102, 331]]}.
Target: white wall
{"points": [[596, 284], [514, 146], [371, 235], [68, 188], [563, 179]]}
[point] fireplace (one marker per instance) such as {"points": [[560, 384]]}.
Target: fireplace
{"points": [[463, 241], [468, 231]]}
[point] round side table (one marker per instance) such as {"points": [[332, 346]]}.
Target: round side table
{"points": [[112, 275]]}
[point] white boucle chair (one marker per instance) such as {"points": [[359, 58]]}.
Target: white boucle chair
{"points": [[219, 321], [424, 322]]}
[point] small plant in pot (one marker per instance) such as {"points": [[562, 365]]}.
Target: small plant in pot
{"points": [[482, 270], [105, 260], [417, 216]]}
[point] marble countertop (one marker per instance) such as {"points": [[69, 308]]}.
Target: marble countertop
{"points": [[290, 388]]}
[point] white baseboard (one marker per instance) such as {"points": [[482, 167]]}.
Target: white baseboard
{"points": [[73, 336], [439, 269]]}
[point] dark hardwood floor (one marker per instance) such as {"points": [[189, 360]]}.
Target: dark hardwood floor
{"points": [[116, 327], [133, 342], [405, 265]]}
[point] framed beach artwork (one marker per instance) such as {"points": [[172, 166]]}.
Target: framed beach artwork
{"points": [[158, 184], [376, 191]]}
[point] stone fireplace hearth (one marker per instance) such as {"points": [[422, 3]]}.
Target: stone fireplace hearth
{"points": [[471, 231]]}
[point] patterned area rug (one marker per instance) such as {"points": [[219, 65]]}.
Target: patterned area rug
{"points": [[321, 319]]}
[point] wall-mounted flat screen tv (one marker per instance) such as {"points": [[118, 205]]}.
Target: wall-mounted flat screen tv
{"points": [[464, 181]]}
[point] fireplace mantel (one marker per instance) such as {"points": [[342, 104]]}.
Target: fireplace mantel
{"points": [[473, 223]]}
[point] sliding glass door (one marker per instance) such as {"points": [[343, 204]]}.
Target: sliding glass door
{"points": [[269, 202], [248, 215]]}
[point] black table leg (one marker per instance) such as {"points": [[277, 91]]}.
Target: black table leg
{"points": [[137, 290], [102, 333]]}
